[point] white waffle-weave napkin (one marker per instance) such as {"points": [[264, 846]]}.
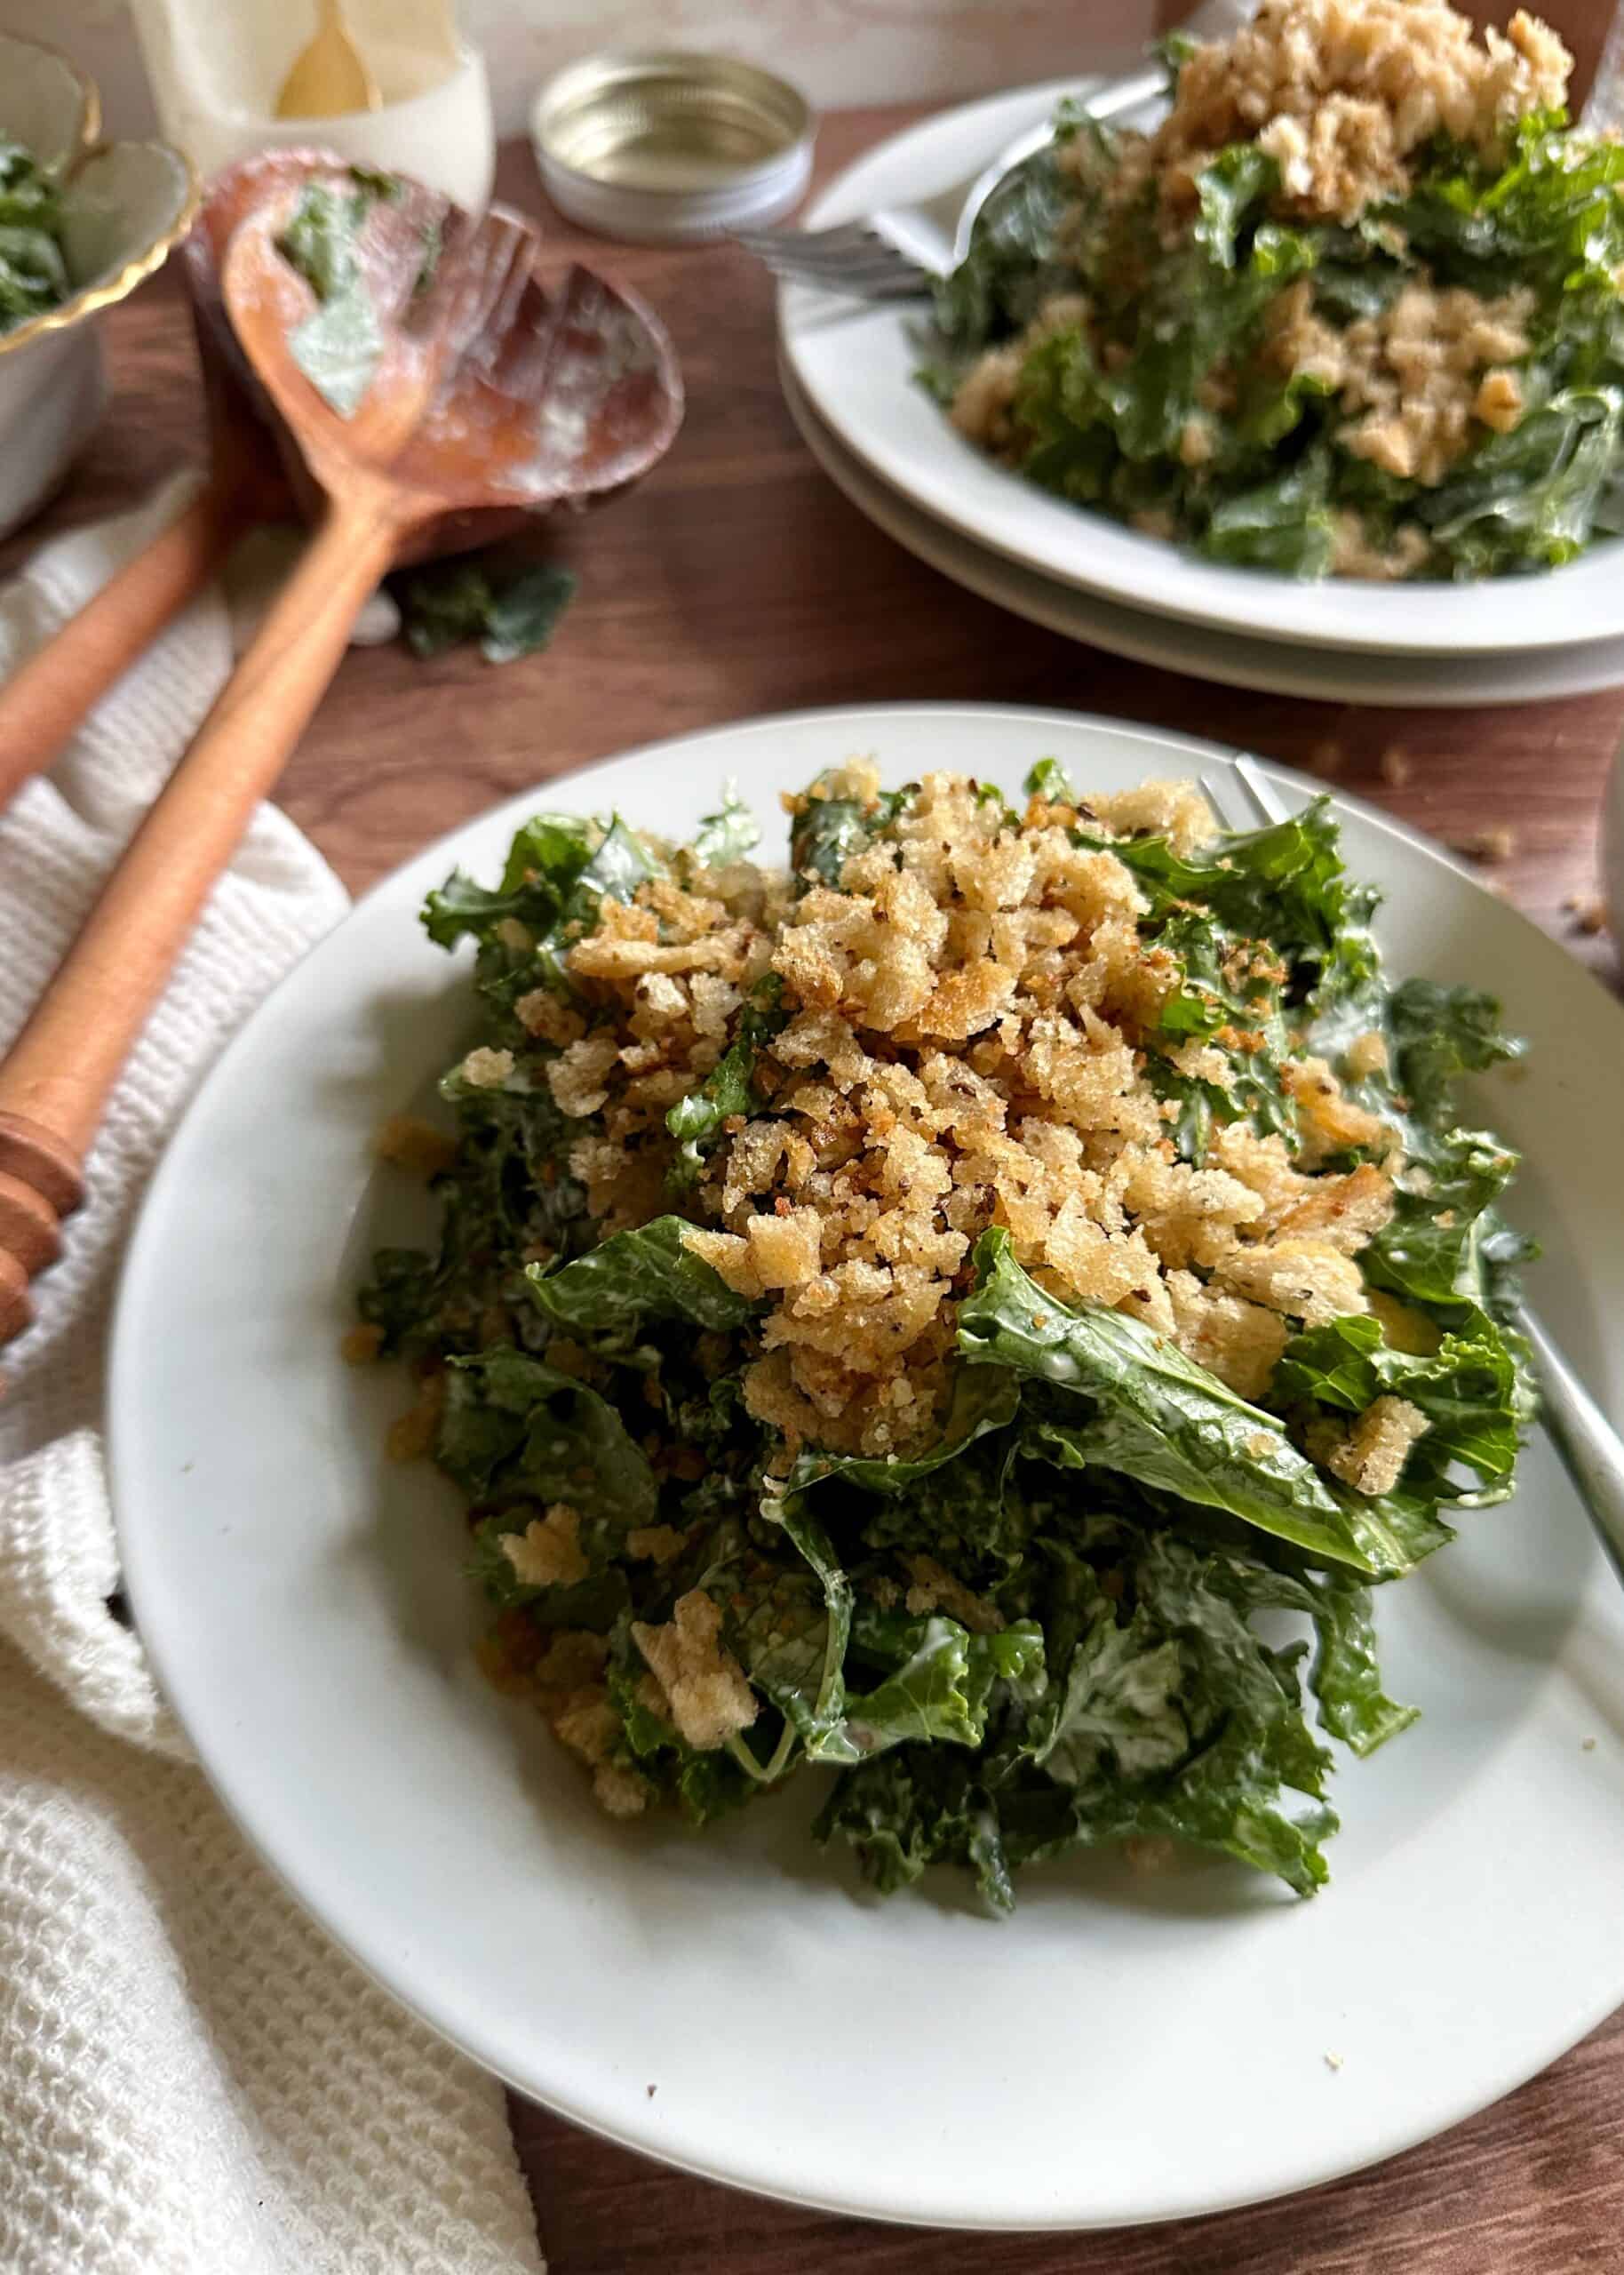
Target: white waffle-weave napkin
{"points": [[193, 2080]]}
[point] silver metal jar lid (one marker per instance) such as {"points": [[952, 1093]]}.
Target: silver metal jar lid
{"points": [[662, 148]]}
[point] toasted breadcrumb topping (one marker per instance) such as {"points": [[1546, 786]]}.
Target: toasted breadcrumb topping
{"points": [[486, 1069], [411, 1435], [966, 1021], [936, 1589], [1372, 1456], [410, 1143], [658, 1543], [1342, 92], [360, 1346], [703, 1687], [1412, 380], [547, 1553]]}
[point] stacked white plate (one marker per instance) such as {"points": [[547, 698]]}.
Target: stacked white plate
{"points": [[849, 375]]}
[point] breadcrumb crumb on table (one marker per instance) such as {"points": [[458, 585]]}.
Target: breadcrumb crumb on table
{"points": [[1492, 845]]}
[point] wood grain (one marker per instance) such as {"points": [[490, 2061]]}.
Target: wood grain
{"points": [[737, 580], [43, 702]]}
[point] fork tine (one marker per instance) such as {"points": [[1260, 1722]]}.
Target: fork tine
{"points": [[1258, 793], [839, 264], [1212, 790], [842, 234], [789, 251], [894, 280], [852, 257], [871, 279], [875, 254], [903, 286], [1266, 802]]}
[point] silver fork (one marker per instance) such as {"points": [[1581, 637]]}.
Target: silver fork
{"points": [[903, 253], [1590, 1447]]}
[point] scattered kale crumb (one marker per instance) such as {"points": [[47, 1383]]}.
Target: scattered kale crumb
{"points": [[511, 605]]}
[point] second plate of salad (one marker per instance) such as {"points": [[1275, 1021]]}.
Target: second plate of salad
{"points": [[1346, 320]]}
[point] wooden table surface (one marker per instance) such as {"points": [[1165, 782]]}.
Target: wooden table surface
{"points": [[738, 580]]}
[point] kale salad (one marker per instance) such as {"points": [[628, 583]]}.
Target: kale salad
{"points": [[34, 276], [973, 1317], [1354, 308]]}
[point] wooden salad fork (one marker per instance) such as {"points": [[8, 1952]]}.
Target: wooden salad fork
{"points": [[253, 475], [487, 396]]}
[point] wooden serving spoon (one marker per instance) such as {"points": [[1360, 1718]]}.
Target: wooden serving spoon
{"points": [[486, 395]]}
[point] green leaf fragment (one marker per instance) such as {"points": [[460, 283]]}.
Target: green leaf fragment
{"points": [[645, 1272], [1147, 1410], [513, 1426]]}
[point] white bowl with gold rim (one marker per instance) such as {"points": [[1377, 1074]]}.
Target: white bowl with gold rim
{"points": [[124, 205]]}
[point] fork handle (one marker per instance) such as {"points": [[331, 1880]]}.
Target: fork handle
{"points": [[1590, 1445], [47, 698], [55, 1083]]}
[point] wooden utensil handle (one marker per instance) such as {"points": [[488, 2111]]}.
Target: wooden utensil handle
{"points": [[43, 701], [55, 1082]]}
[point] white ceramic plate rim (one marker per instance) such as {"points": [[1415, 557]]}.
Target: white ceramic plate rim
{"points": [[180, 1306], [1280, 667], [857, 364]]}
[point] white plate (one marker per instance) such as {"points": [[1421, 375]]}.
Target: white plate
{"points": [[857, 364], [1281, 667], [1126, 2048]]}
